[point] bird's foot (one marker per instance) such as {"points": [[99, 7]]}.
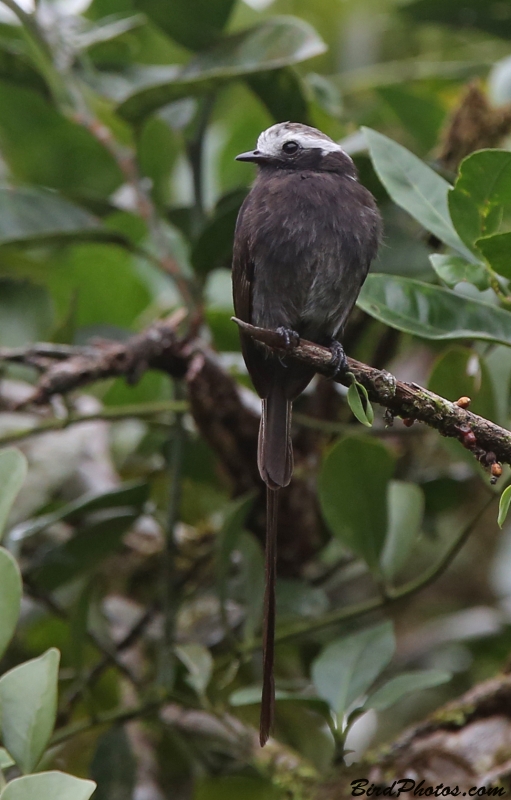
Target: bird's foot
{"points": [[339, 361], [291, 337]]}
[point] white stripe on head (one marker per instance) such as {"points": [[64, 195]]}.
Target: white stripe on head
{"points": [[271, 140]]}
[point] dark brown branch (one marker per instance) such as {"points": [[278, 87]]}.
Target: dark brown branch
{"points": [[230, 427], [488, 442]]}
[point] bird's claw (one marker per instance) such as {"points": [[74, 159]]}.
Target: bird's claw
{"points": [[291, 337], [339, 361]]}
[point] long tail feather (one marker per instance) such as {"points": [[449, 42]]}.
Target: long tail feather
{"points": [[268, 696], [275, 452]]}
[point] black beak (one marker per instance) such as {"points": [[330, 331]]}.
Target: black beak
{"points": [[252, 155]]}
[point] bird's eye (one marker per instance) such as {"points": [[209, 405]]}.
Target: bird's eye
{"points": [[290, 147]]}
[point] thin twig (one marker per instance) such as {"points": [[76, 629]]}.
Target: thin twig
{"points": [[108, 414], [168, 562], [94, 674], [57, 610]]}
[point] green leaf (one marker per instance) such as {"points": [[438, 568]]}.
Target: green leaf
{"points": [[282, 92], [250, 583], [43, 147], [48, 786], [213, 247], [432, 312], [26, 313], [84, 552], [158, 148], [461, 14], [407, 683], [353, 494], [5, 759], [105, 30], [347, 667], [251, 695], [454, 269], [481, 198], [325, 93], [196, 24], [406, 509], [358, 401], [11, 590], [234, 787], [460, 372], [415, 187], [107, 281], [228, 537], [505, 500], [28, 703], [422, 116], [13, 471], [278, 42], [132, 493], [497, 251], [29, 215], [199, 663], [113, 766]]}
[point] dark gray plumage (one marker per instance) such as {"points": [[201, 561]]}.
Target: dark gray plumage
{"points": [[305, 237]]}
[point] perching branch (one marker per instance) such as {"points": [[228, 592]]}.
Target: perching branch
{"points": [[489, 442]]}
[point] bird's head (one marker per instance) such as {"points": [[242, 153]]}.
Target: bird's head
{"points": [[293, 146]]}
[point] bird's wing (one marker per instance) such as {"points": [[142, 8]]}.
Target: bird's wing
{"points": [[242, 285]]}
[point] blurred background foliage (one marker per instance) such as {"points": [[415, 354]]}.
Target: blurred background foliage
{"points": [[119, 124]]}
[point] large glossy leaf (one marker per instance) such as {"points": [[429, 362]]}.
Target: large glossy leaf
{"points": [[415, 187], [10, 597], [461, 372], [401, 685], [48, 786], [406, 508], [84, 552], [273, 44], [41, 146], [13, 471], [193, 23], [497, 251], [432, 312], [28, 704], [347, 667], [461, 14], [353, 494], [29, 215], [481, 199]]}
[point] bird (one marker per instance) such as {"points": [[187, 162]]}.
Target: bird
{"points": [[304, 240]]}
